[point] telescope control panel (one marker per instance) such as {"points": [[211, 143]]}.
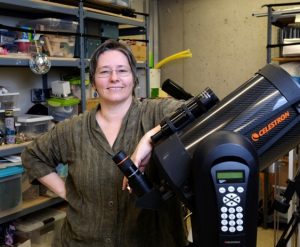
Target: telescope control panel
{"points": [[230, 180]]}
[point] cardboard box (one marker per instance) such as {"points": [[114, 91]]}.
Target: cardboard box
{"points": [[60, 46], [139, 51]]}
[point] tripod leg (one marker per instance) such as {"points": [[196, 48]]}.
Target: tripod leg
{"points": [[289, 230]]}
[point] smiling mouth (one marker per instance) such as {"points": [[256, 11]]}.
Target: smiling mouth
{"points": [[113, 88]]}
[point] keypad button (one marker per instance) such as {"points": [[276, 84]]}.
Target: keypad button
{"points": [[224, 228], [231, 195], [232, 216], [240, 228], [239, 209], [225, 199], [240, 189], [223, 209], [237, 199], [232, 229], [231, 189], [231, 210], [231, 204], [232, 223], [240, 222], [224, 216], [222, 190], [239, 215], [224, 222]]}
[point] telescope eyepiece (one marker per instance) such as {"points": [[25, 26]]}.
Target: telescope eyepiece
{"points": [[136, 179]]}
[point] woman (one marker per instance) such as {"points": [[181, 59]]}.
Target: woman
{"points": [[99, 213]]}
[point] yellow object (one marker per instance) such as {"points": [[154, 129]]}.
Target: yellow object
{"points": [[162, 93], [183, 54]]}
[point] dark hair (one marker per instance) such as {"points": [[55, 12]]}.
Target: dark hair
{"points": [[109, 45]]}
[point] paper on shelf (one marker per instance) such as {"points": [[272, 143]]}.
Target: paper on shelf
{"points": [[11, 160]]}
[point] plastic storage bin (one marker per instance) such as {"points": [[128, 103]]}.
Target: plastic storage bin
{"points": [[7, 37], [61, 109], [31, 126], [60, 46], [8, 100], [57, 45], [52, 24], [40, 227], [109, 30], [10, 187]]}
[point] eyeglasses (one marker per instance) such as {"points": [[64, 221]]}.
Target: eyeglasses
{"points": [[105, 73]]}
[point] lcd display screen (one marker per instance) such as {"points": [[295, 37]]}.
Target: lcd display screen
{"points": [[230, 176]]}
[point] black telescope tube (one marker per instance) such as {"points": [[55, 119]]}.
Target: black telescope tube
{"points": [[186, 114], [136, 179], [175, 90]]}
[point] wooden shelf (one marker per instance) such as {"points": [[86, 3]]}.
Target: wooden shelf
{"points": [[286, 59], [28, 207], [10, 149], [23, 60]]}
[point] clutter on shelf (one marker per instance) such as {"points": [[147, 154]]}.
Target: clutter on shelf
{"points": [[8, 100], [39, 228], [31, 126], [75, 85], [56, 45]]}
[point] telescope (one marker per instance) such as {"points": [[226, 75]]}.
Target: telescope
{"points": [[212, 163]]}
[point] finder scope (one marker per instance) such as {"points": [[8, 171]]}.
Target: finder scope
{"points": [[186, 114]]}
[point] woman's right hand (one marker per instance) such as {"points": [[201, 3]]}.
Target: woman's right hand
{"points": [[142, 154], [54, 183], [143, 151]]}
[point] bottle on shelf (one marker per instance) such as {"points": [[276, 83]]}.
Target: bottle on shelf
{"points": [[10, 130], [2, 130]]}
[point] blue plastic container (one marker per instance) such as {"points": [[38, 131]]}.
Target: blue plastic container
{"points": [[10, 187]]}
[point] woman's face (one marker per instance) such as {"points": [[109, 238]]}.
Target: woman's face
{"points": [[113, 78]]}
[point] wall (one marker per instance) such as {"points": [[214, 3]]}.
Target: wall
{"points": [[228, 43]]}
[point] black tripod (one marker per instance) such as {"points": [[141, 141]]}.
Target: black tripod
{"points": [[282, 205]]}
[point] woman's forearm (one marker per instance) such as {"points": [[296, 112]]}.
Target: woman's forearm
{"points": [[54, 183], [142, 153], [143, 150]]}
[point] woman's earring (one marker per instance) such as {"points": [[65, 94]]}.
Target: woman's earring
{"points": [[95, 94]]}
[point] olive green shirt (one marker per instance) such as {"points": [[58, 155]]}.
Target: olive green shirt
{"points": [[99, 213]]}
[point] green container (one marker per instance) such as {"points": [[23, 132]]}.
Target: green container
{"points": [[60, 102], [61, 109]]}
